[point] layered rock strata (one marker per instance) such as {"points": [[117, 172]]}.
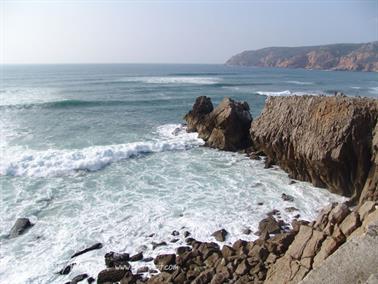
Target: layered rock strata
{"points": [[325, 140]]}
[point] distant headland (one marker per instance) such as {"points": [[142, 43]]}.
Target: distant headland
{"points": [[343, 57]]}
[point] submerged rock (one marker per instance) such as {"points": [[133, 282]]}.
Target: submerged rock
{"points": [[226, 127], [20, 227], [324, 140], [95, 246]]}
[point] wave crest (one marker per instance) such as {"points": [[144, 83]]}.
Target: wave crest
{"points": [[65, 162]]}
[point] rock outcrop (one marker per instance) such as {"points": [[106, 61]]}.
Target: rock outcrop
{"points": [[20, 227], [348, 57], [325, 140], [226, 127]]}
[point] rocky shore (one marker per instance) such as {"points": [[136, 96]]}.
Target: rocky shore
{"points": [[331, 142]]}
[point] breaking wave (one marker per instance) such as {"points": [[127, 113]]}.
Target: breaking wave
{"points": [[21, 162]]}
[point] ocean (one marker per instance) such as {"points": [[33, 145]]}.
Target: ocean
{"points": [[99, 153]]}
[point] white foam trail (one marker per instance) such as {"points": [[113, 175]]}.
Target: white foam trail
{"points": [[300, 83], [21, 162], [174, 80], [287, 93], [24, 96]]}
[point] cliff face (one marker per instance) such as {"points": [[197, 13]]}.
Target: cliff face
{"points": [[325, 140], [348, 57]]}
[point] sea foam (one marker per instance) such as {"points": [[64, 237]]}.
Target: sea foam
{"points": [[174, 80], [21, 162]]}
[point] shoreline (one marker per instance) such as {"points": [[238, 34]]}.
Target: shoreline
{"points": [[279, 245]]}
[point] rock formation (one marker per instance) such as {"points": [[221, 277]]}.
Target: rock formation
{"points": [[348, 57], [225, 127], [325, 140]]}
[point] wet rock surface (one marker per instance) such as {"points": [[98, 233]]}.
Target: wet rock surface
{"points": [[20, 227]]}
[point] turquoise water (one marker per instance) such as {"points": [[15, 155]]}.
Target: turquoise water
{"points": [[98, 153]]}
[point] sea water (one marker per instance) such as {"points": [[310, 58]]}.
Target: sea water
{"points": [[99, 153]]}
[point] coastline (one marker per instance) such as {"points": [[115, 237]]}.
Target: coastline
{"points": [[303, 247]]}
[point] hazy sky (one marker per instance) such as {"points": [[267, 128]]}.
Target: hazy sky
{"points": [[174, 31]]}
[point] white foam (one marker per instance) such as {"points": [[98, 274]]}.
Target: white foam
{"points": [[300, 83], [287, 93], [374, 90], [23, 162], [175, 80], [23, 96]]}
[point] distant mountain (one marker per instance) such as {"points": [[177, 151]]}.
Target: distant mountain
{"points": [[347, 57]]}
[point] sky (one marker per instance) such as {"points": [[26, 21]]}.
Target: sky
{"points": [[173, 31]]}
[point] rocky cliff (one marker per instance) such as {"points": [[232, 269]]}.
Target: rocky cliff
{"points": [[225, 127], [348, 57], [325, 140]]}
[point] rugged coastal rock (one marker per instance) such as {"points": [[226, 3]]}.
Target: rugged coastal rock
{"points": [[310, 252], [325, 140], [348, 57], [225, 127]]}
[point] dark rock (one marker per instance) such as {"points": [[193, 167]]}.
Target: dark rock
{"points": [[242, 268], [142, 269], [175, 233], [155, 245], [186, 234], [182, 250], [90, 280], [20, 227], [269, 225], [66, 270], [165, 262], [113, 259], [137, 257], [79, 278], [204, 277], [148, 259], [225, 127], [174, 240], [287, 197], [292, 182], [111, 275], [189, 241], [246, 231], [269, 163], [260, 203], [151, 235], [95, 246], [220, 235]]}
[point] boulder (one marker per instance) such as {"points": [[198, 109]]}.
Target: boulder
{"points": [[350, 223], [137, 257], [165, 262], [220, 235], [226, 127], [324, 140], [269, 225], [20, 227], [111, 275], [113, 259]]}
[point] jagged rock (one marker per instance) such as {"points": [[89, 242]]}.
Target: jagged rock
{"points": [[350, 223], [111, 275], [324, 140], [155, 245], [242, 268], [93, 247], [337, 214], [165, 262], [220, 235], [113, 259], [137, 257], [269, 225], [183, 249], [204, 277], [366, 208], [225, 127], [227, 251], [175, 233], [328, 247], [20, 227]]}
